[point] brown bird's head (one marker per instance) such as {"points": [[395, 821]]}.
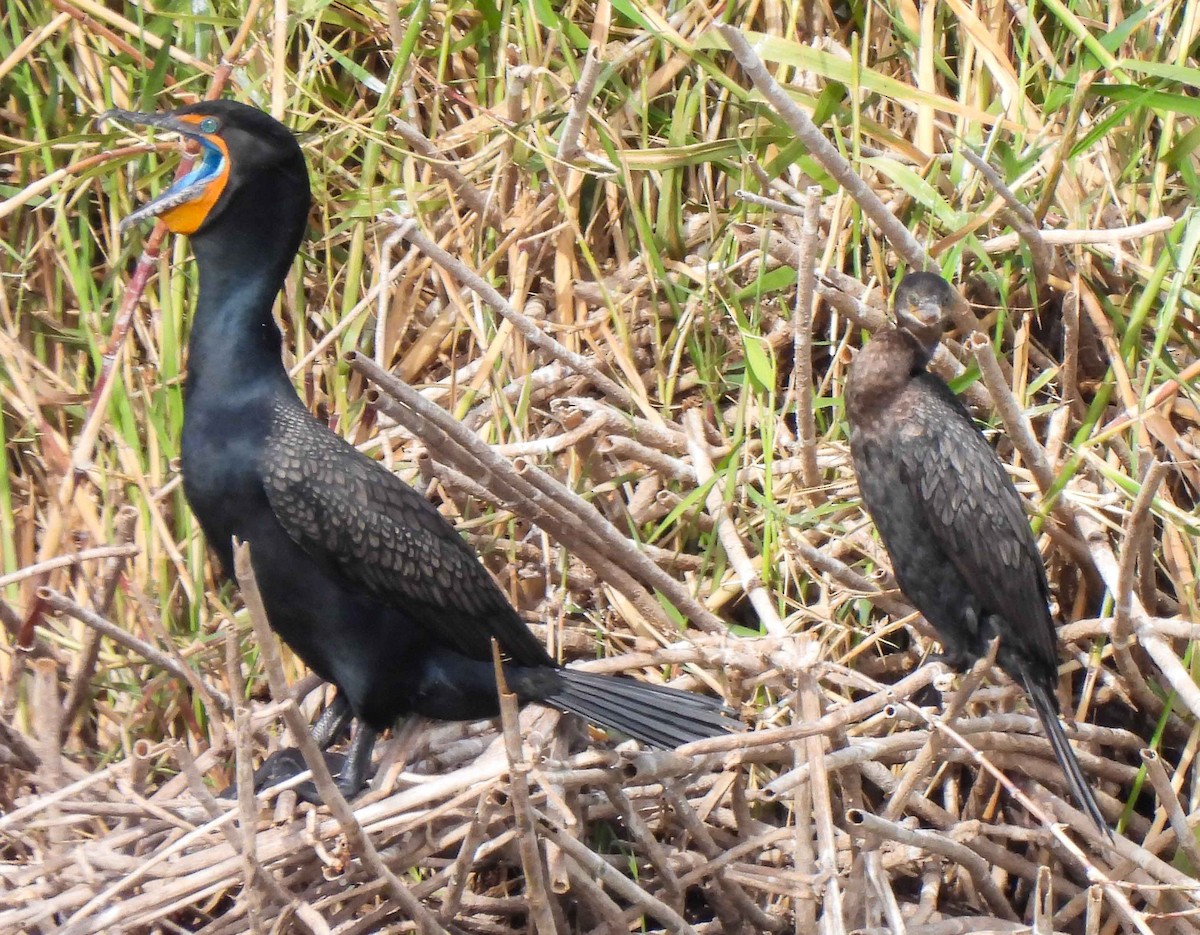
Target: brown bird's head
{"points": [[922, 306]]}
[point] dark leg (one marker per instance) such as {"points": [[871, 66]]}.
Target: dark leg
{"points": [[354, 773], [328, 729], [350, 771], [333, 722]]}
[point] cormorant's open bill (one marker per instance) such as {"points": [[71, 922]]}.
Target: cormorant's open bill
{"points": [[360, 575], [948, 515]]}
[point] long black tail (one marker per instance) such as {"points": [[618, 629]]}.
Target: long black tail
{"points": [[656, 715], [1047, 710]]}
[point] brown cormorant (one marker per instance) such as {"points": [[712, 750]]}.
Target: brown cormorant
{"points": [[360, 575], [950, 518]]}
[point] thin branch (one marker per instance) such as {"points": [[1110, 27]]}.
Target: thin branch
{"points": [[1008, 242], [802, 347], [331, 795], [64, 605], [581, 97], [527, 328], [823, 151], [752, 584], [518, 784]]}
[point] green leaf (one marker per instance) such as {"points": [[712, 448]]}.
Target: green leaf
{"points": [[918, 189], [1155, 100], [1178, 73], [631, 12], [490, 13], [760, 361]]}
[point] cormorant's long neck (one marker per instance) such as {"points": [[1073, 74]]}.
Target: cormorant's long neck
{"points": [[242, 262], [881, 370]]}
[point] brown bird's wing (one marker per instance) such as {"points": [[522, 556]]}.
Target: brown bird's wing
{"points": [[360, 521], [976, 515]]}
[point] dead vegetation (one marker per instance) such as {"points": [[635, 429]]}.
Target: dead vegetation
{"points": [[553, 279]]}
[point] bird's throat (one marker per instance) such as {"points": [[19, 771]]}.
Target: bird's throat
{"points": [[234, 338]]}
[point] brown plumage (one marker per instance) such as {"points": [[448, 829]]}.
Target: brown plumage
{"points": [[950, 519]]}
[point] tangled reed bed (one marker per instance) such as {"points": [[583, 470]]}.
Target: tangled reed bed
{"points": [[634, 415]]}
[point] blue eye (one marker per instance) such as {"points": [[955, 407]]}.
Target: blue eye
{"points": [[209, 125]]}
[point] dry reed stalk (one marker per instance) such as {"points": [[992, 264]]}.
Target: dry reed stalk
{"points": [[723, 522], [802, 346], [534, 489], [358, 839], [823, 151]]}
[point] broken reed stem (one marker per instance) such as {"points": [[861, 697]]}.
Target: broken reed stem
{"points": [[1100, 235], [802, 347], [890, 602], [258, 876], [244, 771], [599, 869], [823, 151], [644, 838], [1169, 801], [861, 823], [360, 843], [518, 784], [735, 550], [464, 861], [686, 816], [64, 605], [527, 328], [534, 489], [804, 858], [89, 651], [1137, 530], [109, 552], [581, 97], [664, 437], [47, 722], [601, 905], [771, 204], [459, 183], [830, 895], [1020, 218], [916, 770], [1156, 646], [1019, 430]]}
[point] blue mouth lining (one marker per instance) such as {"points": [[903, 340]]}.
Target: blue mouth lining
{"points": [[208, 165]]}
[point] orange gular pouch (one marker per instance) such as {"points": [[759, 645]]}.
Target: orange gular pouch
{"points": [[186, 204]]}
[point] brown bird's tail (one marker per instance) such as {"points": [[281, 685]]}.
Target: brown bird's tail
{"points": [[1047, 710], [656, 715]]}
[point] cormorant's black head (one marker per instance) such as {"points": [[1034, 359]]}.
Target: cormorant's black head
{"points": [[242, 150], [922, 305]]}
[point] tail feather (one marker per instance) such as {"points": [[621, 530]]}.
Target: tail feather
{"points": [[1046, 707], [656, 715]]}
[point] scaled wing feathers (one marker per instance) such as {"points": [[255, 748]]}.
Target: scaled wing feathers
{"points": [[994, 551], [361, 521]]}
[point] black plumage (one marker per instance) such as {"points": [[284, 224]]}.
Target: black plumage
{"points": [[359, 574], [950, 518]]}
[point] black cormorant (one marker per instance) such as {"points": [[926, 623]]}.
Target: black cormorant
{"points": [[360, 575], [950, 518]]}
